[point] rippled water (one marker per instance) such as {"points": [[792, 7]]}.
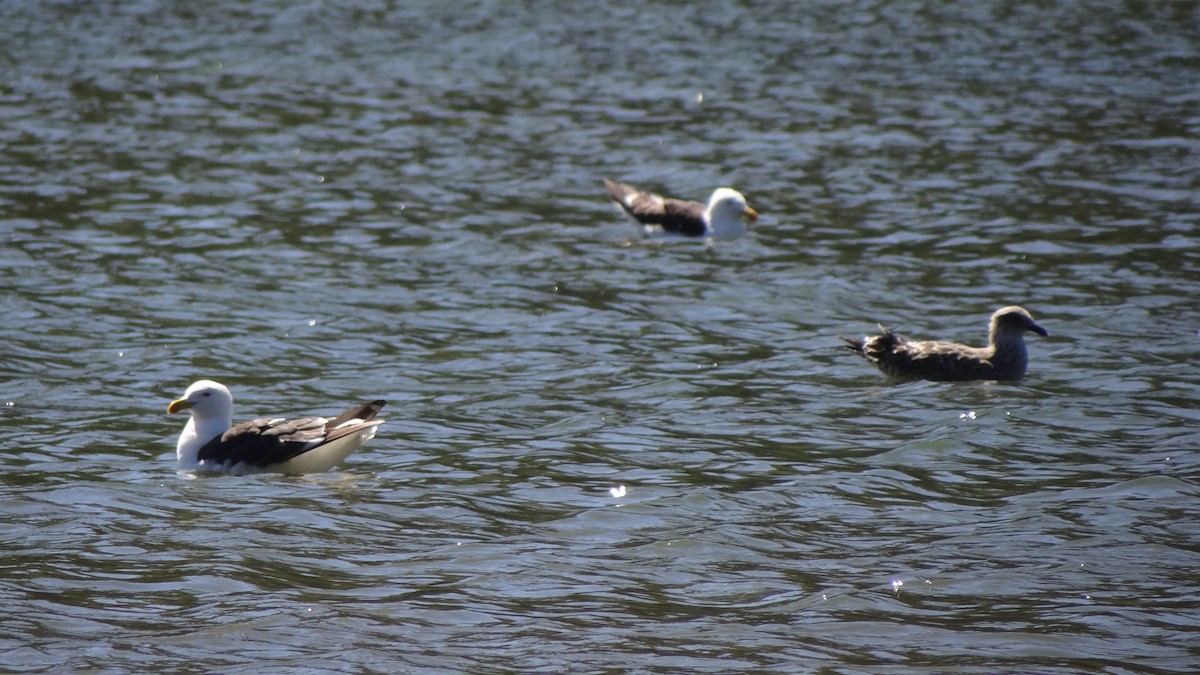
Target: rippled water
{"points": [[323, 203]]}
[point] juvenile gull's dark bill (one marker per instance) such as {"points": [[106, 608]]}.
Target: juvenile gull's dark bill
{"points": [[1004, 358], [211, 443], [725, 217]]}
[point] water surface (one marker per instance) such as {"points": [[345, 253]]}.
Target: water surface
{"points": [[323, 203]]}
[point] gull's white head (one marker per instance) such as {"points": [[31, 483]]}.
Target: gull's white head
{"points": [[206, 400], [728, 213], [211, 406]]}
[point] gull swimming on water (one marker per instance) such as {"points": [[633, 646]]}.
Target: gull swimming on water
{"points": [[1004, 358], [726, 216], [210, 442]]}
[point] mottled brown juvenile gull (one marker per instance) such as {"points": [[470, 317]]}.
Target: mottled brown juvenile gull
{"points": [[211, 443], [725, 217], [1003, 359]]}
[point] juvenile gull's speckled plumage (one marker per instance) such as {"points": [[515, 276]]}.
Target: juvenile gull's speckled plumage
{"points": [[1004, 358], [210, 442], [724, 217]]}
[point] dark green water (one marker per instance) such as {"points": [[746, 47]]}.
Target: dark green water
{"points": [[327, 202]]}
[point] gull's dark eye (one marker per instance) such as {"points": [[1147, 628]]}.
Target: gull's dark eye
{"points": [[206, 394]]}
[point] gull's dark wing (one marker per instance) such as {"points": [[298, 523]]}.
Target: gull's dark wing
{"points": [[363, 413], [672, 215], [266, 441], [941, 361], [263, 442]]}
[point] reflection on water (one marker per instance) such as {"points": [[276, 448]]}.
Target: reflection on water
{"points": [[600, 456]]}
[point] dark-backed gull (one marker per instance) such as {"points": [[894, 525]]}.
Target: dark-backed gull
{"points": [[725, 217], [1003, 359], [211, 443]]}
